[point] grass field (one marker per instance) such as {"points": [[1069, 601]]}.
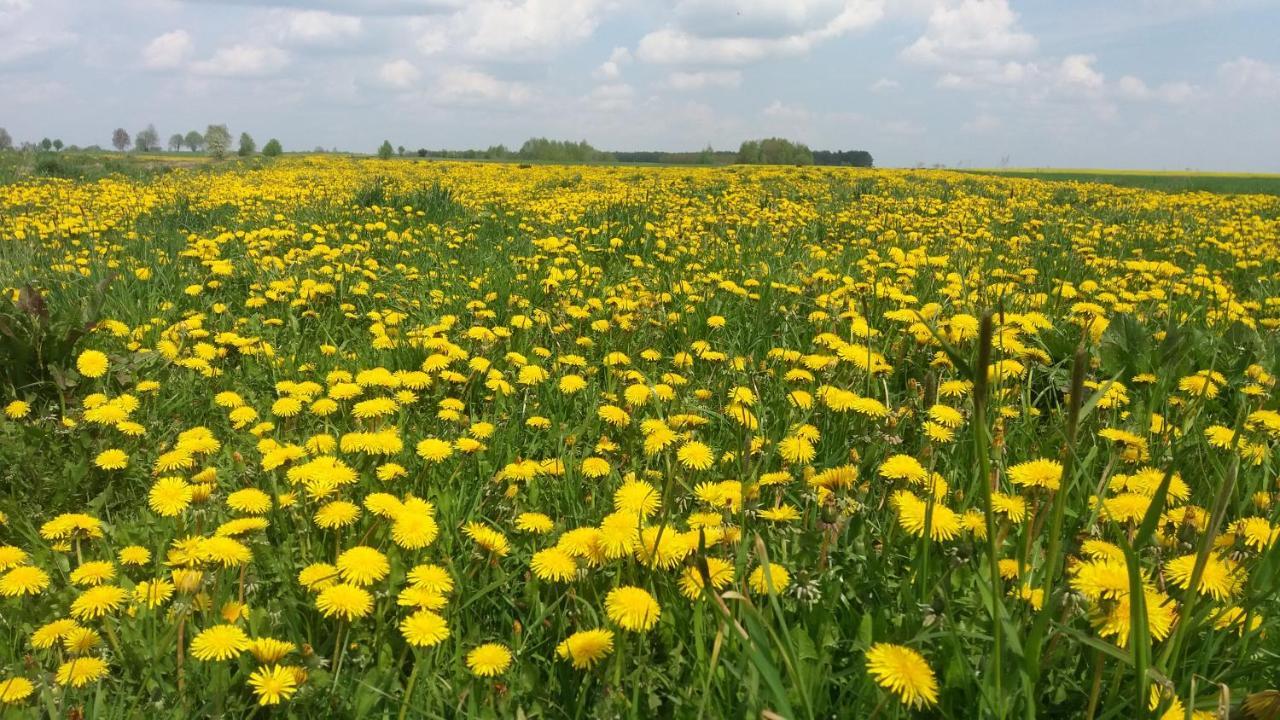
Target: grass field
{"points": [[1165, 181], [326, 437]]}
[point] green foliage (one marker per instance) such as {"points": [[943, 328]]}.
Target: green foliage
{"points": [[247, 145], [385, 151], [544, 150], [272, 148], [38, 338], [774, 151]]}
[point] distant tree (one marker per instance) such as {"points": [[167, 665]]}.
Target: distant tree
{"points": [[175, 142], [400, 150], [217, 138], [57, 143], [46, 144], [774, 151], [147, 140], [120, 139], [385, 151], [193, 140], [6, 140], [318, 149], [422, 152], [247, 145], [849, 158], [272, 148], [560, 151]]}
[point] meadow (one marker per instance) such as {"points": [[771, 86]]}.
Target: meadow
{"points": [[328, 437]]}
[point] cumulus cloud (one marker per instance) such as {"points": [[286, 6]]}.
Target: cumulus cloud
{"points": [[704, 79], [27, 34], [1076, 72], [755, 18], [319, 28], [243, 61], [1246, 76], [399, 74], [611, 69], [716, 32], [510, 29], [971, 30], [468, 87], [168, 51], [1135, 88], [355, 7], [780, 110], [611, 97]]}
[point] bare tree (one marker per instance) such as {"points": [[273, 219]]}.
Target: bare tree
{"points": [[120, 139], [147, 139]]}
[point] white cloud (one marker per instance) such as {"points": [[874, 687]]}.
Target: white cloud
{"points": [[318, 28], [970, 30], [755, 18], [168, 51], [983, 123], [243, 61], [611, 69], [1246, 76], [399, 74], [1174, 93], [611, 97], [27, 33], [357, 7], [510, 29], [884, 85], [757, 29], [1076, 73], [467, 86], [707, 78], [782, 111]]}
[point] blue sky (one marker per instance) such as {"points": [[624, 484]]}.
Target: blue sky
{"points": [[1162, 84]]}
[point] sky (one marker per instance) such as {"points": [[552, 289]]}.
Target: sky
{"points": [[1154, 84]]}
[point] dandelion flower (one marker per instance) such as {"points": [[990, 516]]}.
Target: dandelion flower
{"points": [[586, 647], [92, 364], [488, 660], [776, 581], [17, 410], [169, 496], [362, 565], [695, 456], [81, 671], [273, 684], [554, 564], [23, 580], [903, 672], [344, 601], [112, 459], [424, 629], [632, 608], [1041, 473], [15, 689], [97, 602], [220, 642], [432, 578]]}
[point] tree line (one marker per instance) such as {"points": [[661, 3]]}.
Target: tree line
{"points": [[767, 151], [216, 140]]}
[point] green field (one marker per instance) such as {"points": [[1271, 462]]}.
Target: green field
{"points": [[1164, 181]]}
